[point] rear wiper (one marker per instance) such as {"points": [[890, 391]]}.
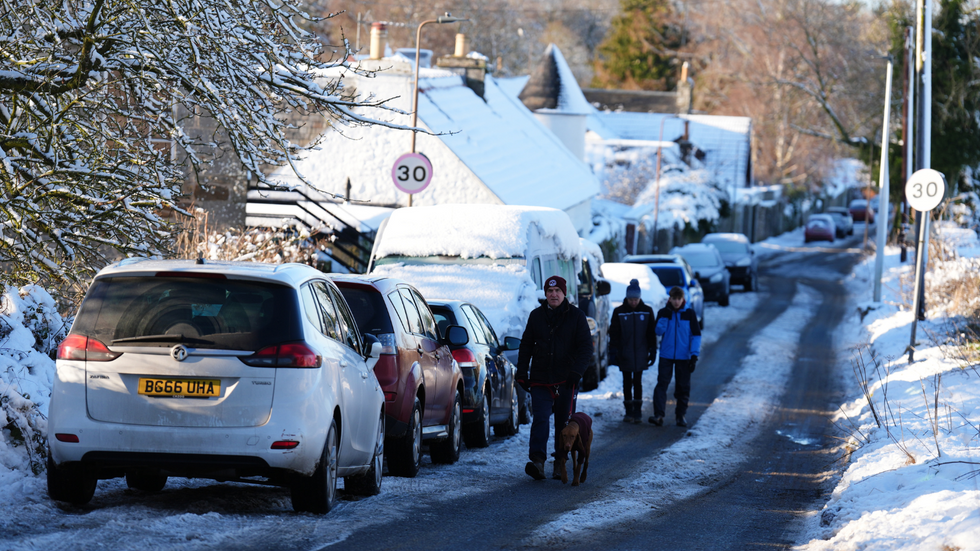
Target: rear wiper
{"points": [[162, 338]]}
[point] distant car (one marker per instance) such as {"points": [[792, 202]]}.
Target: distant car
{"points": [[709, 269], [739, 258], [674, 271], [489, 389], [221, 370], [861, 211], [619, 274], [820, 227], [843, 222], [422, 383]]}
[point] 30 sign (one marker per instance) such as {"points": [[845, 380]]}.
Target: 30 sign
{"points": [[412, 172], [925, 189]]}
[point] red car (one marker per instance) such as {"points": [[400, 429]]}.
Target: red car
{"points": [[861, 211], [820, 227], [422, 383]]}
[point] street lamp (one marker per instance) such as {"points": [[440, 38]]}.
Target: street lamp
{"points": [[656, 204]]}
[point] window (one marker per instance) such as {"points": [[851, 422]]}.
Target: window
{"points": [[585, 279], [411, 312], [479, 334], [328, 315], [311, 307], [491, 335], [348, 328], [396, 301], [536, 271], [428, 324]]}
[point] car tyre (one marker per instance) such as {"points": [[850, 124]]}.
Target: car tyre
{"points": [[723, 301], [477, 435], [70, 486], [146, 482], [369, 483], [318, 493], [512, 426], [405, 453], [447, 451]]}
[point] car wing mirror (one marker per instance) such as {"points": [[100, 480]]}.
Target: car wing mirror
{"points": [[374, 348], [456, 335], [697, 275], [602, 287], [512, 343]]}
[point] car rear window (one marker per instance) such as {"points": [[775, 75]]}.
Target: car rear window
{"points": [[669, 277], [444, 318], [368, 307], [700, 259], [200, 312], [729, 247]]}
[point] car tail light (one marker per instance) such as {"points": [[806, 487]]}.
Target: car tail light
{"points": [[464, 357], [80, 347], [284, 355], [386, 370], [284, 444], [62, 437], [387, 343]]}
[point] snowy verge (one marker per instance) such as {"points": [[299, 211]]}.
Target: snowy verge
{"points": [[715, 445]]}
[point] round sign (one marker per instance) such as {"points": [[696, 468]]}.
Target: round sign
{"points": [[925, 189], [412, 172]]}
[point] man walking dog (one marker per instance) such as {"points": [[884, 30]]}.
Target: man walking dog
{"points": [[555, 351], [679, 348]]}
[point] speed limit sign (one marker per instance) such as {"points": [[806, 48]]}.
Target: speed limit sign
{"points": [[412, 172], [925, 189]]}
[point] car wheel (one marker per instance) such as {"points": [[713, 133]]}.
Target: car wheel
{"points": [[405, 454], [723, 301], [317, 493], [447, 450], [70, 486], [477, 434], [369, 483], [512, 426], [146, 482]]}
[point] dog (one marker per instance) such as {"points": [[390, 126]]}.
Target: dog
{"points": [[576, 440]]}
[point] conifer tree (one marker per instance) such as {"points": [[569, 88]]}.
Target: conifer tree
{"points": [[640, 50]]}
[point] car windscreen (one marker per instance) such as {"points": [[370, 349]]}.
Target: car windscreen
{"points": [[368, 307], [729, 247], [701, 259], [669, 277], [195, 311]]}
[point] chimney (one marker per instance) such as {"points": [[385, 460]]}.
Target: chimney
{"points": [[684, 96], [461, 45], [379, 32]]}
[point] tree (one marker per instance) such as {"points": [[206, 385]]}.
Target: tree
{"points": [[94, 97], [641, 48]]}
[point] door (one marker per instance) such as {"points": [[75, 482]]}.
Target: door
{"points": [[366, 405], [425, 350]]}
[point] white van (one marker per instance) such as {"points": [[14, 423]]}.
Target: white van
{"points": [[494, 256]]}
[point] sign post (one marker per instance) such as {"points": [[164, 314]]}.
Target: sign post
{"points": [[411, 173], [924, 191]]}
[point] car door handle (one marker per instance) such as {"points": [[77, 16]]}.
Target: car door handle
{"points": [[343, 363], [364, 374], [418, 349]]}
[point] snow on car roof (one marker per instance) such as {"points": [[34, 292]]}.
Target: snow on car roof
{"points": [[619, 274], [473, 231]]}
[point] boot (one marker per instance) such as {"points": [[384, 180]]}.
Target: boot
{"points": [[535, 469], [637, 412], [628, 405]]}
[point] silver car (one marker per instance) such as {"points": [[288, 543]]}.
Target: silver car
{"points": [[230, 371]]}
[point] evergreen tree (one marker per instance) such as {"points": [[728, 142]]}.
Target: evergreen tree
{"points": [[640, 50]]}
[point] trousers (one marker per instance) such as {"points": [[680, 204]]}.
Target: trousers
{"points": [[544, 402], [682, 386]]}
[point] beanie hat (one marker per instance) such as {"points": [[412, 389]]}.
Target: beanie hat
{"points": [[555, 281], [676, 292], [633, 291]]}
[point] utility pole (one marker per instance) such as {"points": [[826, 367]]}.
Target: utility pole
{"points": [[883, 186]]}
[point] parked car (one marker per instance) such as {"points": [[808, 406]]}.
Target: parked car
{"points": [[820, 227], [619, 274], [843, 222], [861, 211], [674, 271], [739, 258], [216, 370], [422, 383], [710, 270], [489, 379], [593, 299]]}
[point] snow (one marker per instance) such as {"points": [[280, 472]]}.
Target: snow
{"points": [[619, 275]]}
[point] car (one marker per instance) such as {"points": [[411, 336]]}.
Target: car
{"points": [[710, 272], [820, 227], [674, 271], [593, 299], [739, 257], [222, 370], [422, 382], [843, 222], [489, 380], [619, 275], [861, 211]]}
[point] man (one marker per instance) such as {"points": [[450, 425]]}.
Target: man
{"points": [[555, 350], [633, 347], [679, 348]]}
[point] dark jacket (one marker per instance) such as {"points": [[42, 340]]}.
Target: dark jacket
{"points": [[632, 336], [555, 343], [681, 333]]}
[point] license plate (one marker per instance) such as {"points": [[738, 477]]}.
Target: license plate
{"points": [[190, 388]]}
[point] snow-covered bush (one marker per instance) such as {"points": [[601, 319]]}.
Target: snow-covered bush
{"points": [[688, 198], [274, 246]]}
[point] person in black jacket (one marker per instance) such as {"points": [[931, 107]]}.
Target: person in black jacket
{"points": [[555, 350], [633, 347]]}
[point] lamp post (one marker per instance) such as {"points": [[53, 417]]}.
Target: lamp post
{"points": [[883, 186], [656, 203], [448, 18]]}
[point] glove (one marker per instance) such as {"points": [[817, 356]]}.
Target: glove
{"points": [[612, 356], [572, 380], [692, 363], [522, 382], [651, 356]]}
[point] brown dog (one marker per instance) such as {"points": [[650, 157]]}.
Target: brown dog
{"points": [[576, 440]]}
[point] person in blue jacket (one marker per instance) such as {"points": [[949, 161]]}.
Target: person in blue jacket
{"points": [[680, 345]]}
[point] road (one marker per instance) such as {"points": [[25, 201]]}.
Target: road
{"points": [[486, 502]]}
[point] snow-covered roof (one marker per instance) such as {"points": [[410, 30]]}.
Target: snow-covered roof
{"points": [[552, 87], [725, 140]]}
